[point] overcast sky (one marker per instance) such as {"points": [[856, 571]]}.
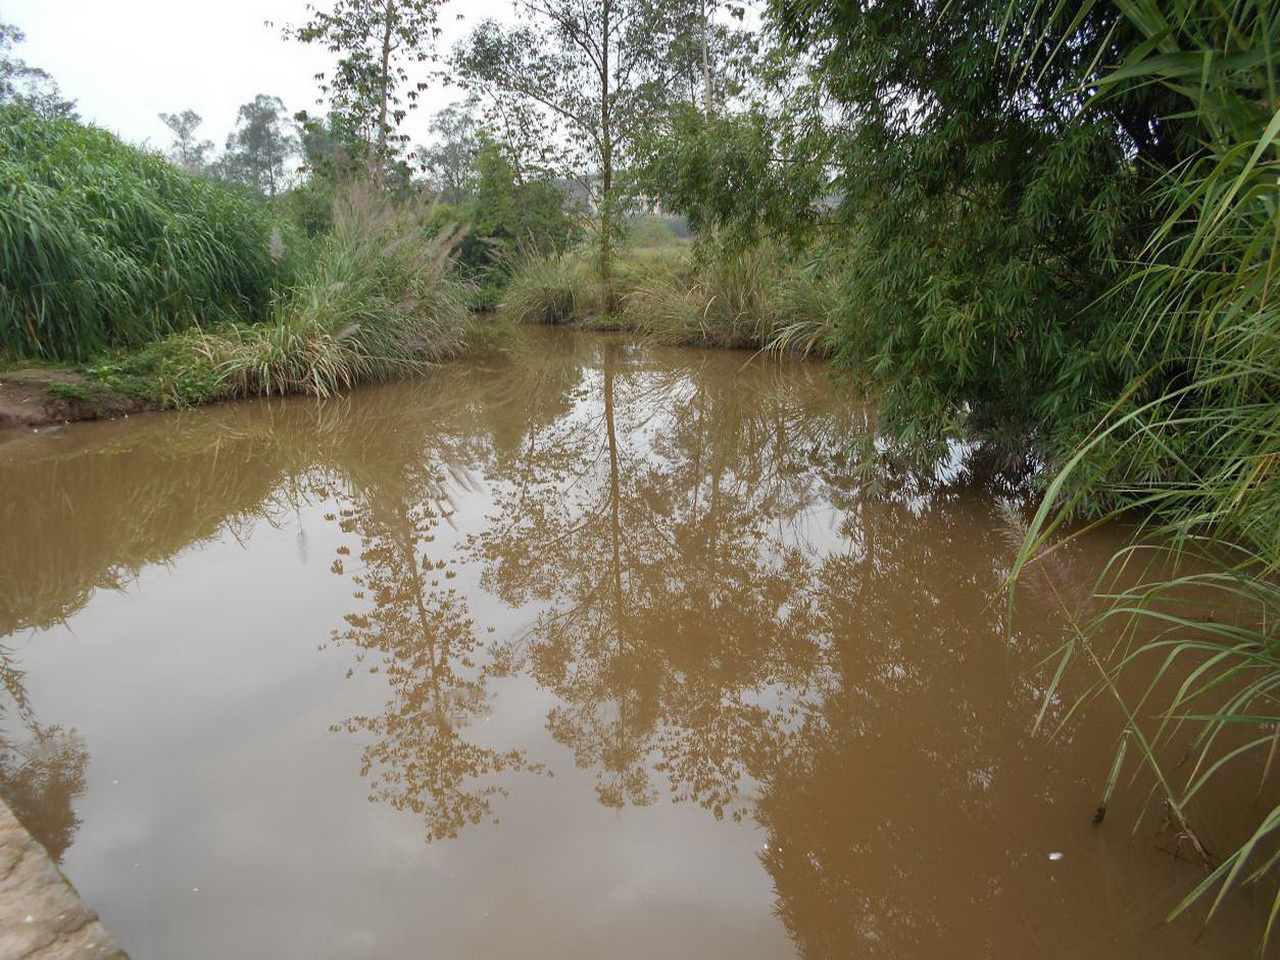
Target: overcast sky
{"points": [[125, 61]]}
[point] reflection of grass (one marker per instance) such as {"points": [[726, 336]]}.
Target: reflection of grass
{"points": [[39, 780], [42, 772], [89, 536]]}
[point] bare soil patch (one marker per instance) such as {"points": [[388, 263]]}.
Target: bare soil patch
{"points": [[37, 396]]}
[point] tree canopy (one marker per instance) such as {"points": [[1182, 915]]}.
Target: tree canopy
{"points": [[376, 42]]}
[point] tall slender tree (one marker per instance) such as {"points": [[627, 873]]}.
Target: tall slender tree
{"points": [[22, 83], [188, 151], [450, 161], [596, 74], [260, 147], [376, 41]]}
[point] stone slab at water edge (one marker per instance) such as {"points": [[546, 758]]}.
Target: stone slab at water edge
{"points": [[41, 915]]}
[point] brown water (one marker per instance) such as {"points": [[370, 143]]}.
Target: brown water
{"points": [[603, 651]]}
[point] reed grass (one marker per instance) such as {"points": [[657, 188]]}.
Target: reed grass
{"points": [[105, 245], [379, 300]]}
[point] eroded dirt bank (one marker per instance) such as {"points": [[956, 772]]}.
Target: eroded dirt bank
{"points": [[38, 396]]}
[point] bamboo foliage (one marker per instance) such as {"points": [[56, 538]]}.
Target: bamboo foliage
{"points": [[1198, 462]]}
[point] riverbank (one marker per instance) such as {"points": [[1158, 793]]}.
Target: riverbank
{"points": [[41, 396], [194, 369]]}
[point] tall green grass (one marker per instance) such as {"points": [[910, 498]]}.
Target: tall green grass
{"points": [[103, 244], [1196, 462], [380, 299]]}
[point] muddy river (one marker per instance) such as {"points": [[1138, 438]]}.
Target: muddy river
{"points": [[589, 650]]}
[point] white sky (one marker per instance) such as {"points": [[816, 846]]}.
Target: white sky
{"points": [[125, 61]]}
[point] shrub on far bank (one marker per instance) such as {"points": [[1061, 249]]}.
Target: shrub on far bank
{"points": [[762, 297], [553, 290]]}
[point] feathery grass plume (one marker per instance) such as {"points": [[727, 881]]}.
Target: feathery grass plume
{"points": [[381, 299], [105, 245]]}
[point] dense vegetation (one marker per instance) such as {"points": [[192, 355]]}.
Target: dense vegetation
{"points": [[105, 245], [377, 299], [1052, 227], [202, 290]]}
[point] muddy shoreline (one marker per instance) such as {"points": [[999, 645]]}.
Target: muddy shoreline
{"points": [[40, 396]]}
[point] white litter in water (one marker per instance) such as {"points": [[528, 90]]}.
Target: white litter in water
{"points": [[1056, 855]]}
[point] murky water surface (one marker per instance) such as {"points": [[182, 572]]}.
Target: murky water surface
{"points": [[602, 652]]}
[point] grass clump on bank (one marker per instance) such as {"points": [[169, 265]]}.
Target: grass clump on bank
{"points": [[378, 300], [761, 297], [556, 289], [103, 245], [754, 298]]}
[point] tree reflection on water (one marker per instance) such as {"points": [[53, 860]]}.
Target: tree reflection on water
{"points": [[414, 629], [723, 602], [730, 609], [42, 768], [639, 524]]}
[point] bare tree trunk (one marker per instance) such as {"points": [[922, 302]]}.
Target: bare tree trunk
{"points": [[708, 103], [379, 162], [615, 486], [606, 168]]}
